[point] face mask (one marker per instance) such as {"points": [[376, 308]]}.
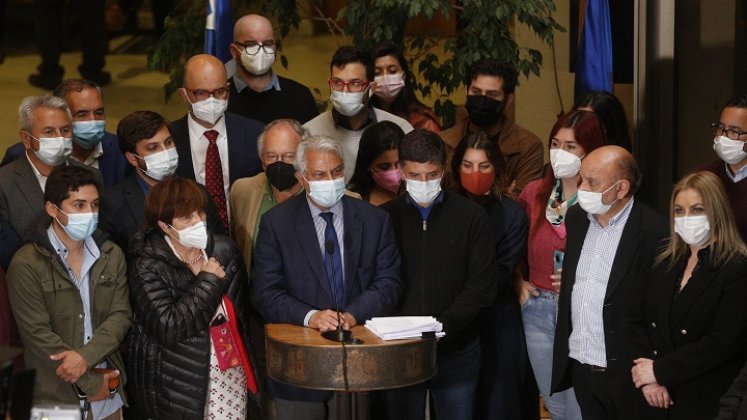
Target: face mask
{"points": [[259, 63], [281, 175], [88, 133], [694, 230], [592, 203], [194, 236], [53, 150], [327, 193], [564, 164], [79, 225], [161, 164], [388, 180], [388, 86], [476, 182], [209, 110], [423, 192], [730, 151], [483, 111], [349, 103]]}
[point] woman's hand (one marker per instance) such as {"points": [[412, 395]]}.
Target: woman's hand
{"points": [[657, 396], [643, 372], [212, 266], [525, 289]]}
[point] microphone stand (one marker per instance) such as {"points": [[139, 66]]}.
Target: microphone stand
{"points": [[339, 334]]}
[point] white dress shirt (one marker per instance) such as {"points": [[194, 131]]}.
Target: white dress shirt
{"points": [[738, 175], [198, 144]]}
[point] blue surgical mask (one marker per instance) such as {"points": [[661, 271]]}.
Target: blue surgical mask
{"points": [[88, 133], [79, 225], [328, 192]]}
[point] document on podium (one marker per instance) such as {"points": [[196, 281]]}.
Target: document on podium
{"points": [[401, 327]]}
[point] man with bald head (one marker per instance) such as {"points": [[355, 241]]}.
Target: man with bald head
{"points": [[612, 240], [257, 91], [215, 148]]}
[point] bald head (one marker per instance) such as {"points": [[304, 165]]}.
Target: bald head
{"points": [[252, 28], [608, 164], [203, 69]]}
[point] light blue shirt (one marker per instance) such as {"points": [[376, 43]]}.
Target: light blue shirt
{"points": [[738, 175], [91, 254], [240, 84], [319, 226], [586, 343]]}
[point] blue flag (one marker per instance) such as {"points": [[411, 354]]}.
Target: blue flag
{"points": [[219, 29], [594, 61]]}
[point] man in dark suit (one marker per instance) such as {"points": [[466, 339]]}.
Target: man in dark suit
{"points": [[145, 141], [611, 245], [215, 148], [45, 129], [92, 145], [320, 251]]}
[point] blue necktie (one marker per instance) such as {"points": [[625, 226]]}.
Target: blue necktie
{"points": [[334, 260]]}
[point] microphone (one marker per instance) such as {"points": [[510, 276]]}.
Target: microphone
{"points": [[339, 335]]}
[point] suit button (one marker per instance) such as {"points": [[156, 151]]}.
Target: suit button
{"points": [[683, 332], [80, 316], [653, 324], [655, 352]]}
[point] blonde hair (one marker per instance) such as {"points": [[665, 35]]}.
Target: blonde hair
{"points": [[725, 243]]}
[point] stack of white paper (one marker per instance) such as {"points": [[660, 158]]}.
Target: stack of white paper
{"points": [[399, 327]]}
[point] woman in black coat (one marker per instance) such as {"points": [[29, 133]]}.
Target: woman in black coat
{"points": [[688, 330], [189, 292]]}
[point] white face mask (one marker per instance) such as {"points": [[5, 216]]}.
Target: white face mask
{"points": [[564, 164], [349, 103], [53, 150], [161, 164], [388, 86], [423, 192], [259, 63], [194, 236], [328, 192], [79, 225], [209, 110], [694, 230], [730, 151], [592, 203]]}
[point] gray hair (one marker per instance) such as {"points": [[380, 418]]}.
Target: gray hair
{"points": [[319, 144], [293, 124], [30, 103]]}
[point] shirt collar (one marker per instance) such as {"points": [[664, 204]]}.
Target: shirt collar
{"points": [[316, 211], [199, 130], [240, 84], [59, 247], [342, 121], [425, 212], [97, 151], [738, 175], [617, 220]]}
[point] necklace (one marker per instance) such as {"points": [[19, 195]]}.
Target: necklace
{"points": [[199, 257]]}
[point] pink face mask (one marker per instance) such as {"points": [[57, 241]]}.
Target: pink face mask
{"points": [[389, 180]]}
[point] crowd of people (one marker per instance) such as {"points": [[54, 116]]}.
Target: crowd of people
{"points": [[139, 268]]}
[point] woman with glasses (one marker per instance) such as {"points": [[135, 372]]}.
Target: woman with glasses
{"points": [[395, 89], [689, 327], [377, 177], [189, 347]]}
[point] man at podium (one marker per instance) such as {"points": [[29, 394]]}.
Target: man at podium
{"points": [[318, 254]]}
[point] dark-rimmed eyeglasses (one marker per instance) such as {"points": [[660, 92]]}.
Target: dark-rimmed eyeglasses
{"points": [[732, 133], [252, 48], [202, 94], [353, 85]]}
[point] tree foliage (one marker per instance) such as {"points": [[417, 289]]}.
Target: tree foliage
{"points": [[484, 29]]}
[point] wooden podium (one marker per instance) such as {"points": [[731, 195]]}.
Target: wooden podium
{"points": [[301, 357]]}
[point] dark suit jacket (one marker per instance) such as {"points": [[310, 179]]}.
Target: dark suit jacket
{"points": [[641, 240], [242, 133], [289, 274], [9, 243], [112, 164], [696, 340], [122, 211]]}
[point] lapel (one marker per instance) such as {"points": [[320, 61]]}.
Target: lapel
{"points": [[233, 140], [352, 242], [95, 276], [698, 283], [574, 244], [661, 297], [28, 186], [306, 235], [135, 199], [627, 249], [181, 140]]}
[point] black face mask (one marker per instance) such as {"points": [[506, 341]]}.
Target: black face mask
{"points": [[281, 175], [483, 111]]}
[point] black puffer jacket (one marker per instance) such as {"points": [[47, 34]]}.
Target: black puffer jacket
{"points": [[169, 346]]}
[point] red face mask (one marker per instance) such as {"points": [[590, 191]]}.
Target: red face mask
{"points": [[476, 182]]}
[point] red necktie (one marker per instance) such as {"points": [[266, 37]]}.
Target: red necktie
{"points": [[214, 176]]}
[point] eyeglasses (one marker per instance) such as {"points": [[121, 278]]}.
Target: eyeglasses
{"points": [[252, 48], [202, 94], [353, 86], [289, 157], [720, 130]]}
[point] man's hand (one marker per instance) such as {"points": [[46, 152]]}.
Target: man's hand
{"points": [[325, 320], [657, 396], [73, 365], [348, 320], [104, 392], [643, 372]]}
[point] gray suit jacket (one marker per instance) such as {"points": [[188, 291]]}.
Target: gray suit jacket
{"points": [[21, 197]]}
